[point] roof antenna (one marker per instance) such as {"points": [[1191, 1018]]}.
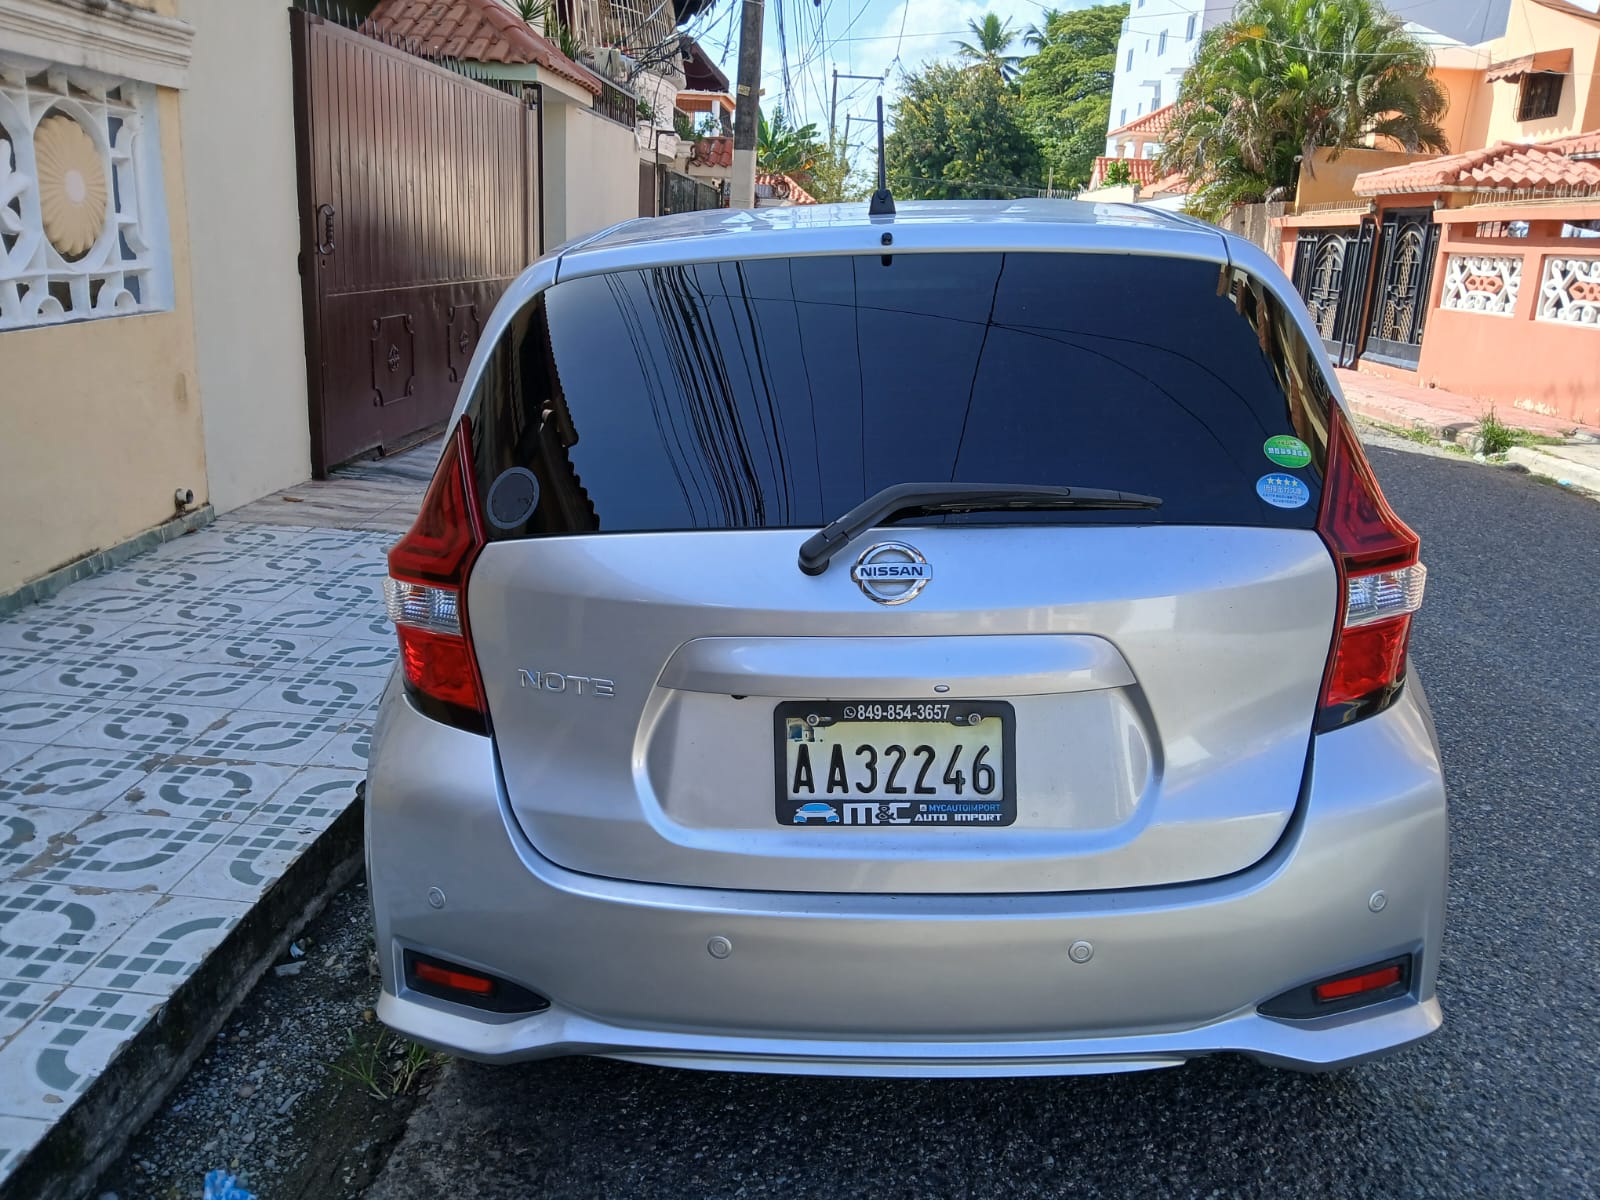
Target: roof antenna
{"points": [[882, 202]]}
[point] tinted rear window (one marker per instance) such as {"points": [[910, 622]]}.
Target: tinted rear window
{"points": [[782, 392]]}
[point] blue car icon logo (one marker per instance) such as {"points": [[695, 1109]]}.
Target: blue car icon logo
{"points": [[825, 813]]}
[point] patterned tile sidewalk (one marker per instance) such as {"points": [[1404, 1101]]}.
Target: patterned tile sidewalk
{"points": [[173, 734]]}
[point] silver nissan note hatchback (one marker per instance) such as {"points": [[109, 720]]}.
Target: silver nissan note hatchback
{"points": [[964, 642]]}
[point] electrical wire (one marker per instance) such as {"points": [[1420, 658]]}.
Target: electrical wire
{"points": [[899, 40]]}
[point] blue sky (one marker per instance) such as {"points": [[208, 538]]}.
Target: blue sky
{"points": [[865, 37]]}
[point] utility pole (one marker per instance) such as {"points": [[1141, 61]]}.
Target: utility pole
{"points": [[833, 105], [747, 106], [833, 108]]}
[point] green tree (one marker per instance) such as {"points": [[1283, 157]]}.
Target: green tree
{"points": [[831, 179], [1037, 35], [1285, 77], [1066, 88], [991, 38], [1118, 173], [798, 152], [786, 149], [960, 134]]}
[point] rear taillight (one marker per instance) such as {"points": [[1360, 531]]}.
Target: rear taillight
{"points": [[424, 592], [1380, 584]]}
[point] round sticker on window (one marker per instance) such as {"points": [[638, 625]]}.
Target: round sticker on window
{"points": [[512, 498], [1287, 451], [1283, 491]]}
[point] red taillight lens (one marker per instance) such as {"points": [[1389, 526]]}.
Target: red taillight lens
{"points": [[428, 570], [1356, 985], [1380, 583]]}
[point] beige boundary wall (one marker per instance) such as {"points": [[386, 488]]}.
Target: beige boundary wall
{"points": [[101, 417], [591, 176], [238, 144]]}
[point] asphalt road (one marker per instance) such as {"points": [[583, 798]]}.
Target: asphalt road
{"points": [[1505, 1101]]}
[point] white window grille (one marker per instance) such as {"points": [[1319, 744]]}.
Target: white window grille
{"points": [[82, 218], [1570, 291], [636, 27], [1482, 283]]}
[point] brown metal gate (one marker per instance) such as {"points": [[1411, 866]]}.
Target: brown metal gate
{"points": [[419, 203]]}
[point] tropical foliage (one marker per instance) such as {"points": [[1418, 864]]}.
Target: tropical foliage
{"points": [[1066, 89], [991, 38], [543, 16], [783, 148], [995, 124], [960, 133], [1284, 77], [800, 153]]}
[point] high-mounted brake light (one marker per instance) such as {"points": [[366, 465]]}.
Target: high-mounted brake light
{"points": [[1381, 583], [428, 571]]}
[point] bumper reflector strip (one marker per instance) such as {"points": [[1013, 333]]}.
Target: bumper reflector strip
{"points": [[1355, 985], [456, 981]]}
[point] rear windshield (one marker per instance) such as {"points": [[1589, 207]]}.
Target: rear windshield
{"points": [[780, 393]]}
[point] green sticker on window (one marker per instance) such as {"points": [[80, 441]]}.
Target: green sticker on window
{"points": [[1287, 451]]}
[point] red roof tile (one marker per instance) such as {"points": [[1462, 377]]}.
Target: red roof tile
{"points": [[712, 152], [1153, 124], [1142, 171], [1579, 145], [784, 187], [477, 31], [1505, 166]]}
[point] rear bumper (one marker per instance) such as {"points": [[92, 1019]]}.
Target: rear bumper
{"points": [[912, 985]]}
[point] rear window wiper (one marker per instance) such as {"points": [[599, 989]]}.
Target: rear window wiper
{"points": [[924, 498]]}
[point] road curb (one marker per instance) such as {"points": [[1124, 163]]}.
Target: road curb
{"points": [[101, 561], [1562, 470], [95, 1131], [1374, 409]]}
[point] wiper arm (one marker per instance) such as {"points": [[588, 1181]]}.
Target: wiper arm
{"points": [[922, 498]]}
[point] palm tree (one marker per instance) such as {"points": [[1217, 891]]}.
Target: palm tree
{"points": [[1037, 36], [992, 37], [785, 149], [1285, 77]]}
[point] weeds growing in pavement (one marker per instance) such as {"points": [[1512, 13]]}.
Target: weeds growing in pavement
{"points": [[1419, 434], [1494, 436], [386, 1066], [363, 1064], [407, 1070]]}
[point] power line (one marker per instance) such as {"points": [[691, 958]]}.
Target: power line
{"points": [[905, 11]]}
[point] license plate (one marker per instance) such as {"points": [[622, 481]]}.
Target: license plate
{"points": [[895, 762]]}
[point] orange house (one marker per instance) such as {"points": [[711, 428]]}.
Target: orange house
{"points": [[1478, 271], [1138, 143]]}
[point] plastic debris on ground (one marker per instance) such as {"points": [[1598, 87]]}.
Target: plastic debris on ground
{"points": [[222, 1186]]}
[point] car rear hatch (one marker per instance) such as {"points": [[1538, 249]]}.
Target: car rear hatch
{"points": [[1065, 700]]}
